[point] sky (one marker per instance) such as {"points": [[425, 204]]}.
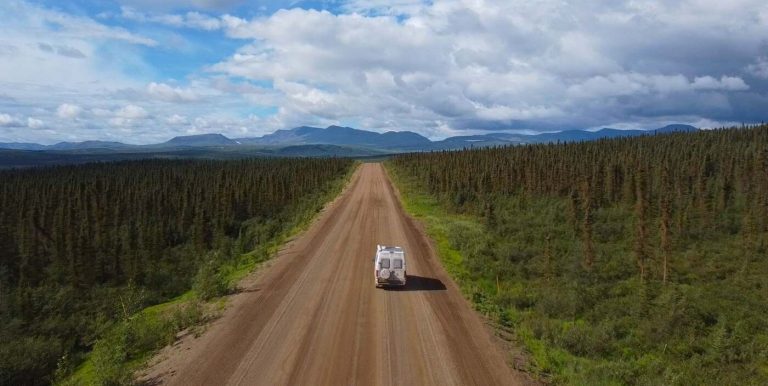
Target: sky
{"points": [[143, 71]]}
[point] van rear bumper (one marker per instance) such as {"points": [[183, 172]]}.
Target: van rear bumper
{"points": [[380, 281]]}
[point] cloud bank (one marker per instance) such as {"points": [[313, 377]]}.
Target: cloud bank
{"points": [[510, 64], [436, 67]]}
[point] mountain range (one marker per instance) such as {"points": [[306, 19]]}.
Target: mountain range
{"points": [[342, 140]]}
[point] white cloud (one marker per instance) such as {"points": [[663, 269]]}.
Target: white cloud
{"points": [[8, 49], [100, 112], [201, 21], [131, 112], [167, 93], [495, 64], [193, 20], [232, 23], [623, 84], [176, 119], [506, 113], [52, 53], [384, 7], [68, 111], [118, 121], [6, 120], [175, 4], [34, 123], [128, 116], [29, 16], [66, 51], [760, 67], [729, 83]]}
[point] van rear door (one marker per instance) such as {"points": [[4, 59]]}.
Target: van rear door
{"points": [[398, 269], [383, 269]]}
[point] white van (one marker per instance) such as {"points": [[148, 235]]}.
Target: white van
{"points": [[389, 266]]}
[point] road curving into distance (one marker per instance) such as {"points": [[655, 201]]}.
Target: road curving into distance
{"points": [[314, 316]]}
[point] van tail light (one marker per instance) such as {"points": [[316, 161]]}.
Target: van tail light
{"points": [[377, 273]]}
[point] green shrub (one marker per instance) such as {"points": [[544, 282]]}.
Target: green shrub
{"points": [[110, 356], [209, 282], [583, 339]]}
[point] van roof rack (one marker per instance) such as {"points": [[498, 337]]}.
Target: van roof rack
{"points": [[390, 249]]}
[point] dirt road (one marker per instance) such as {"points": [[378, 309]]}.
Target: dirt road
{"points": [[315, 318]]}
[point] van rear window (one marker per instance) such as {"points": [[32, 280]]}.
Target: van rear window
{"points": [[397, 264], [384, 263]]}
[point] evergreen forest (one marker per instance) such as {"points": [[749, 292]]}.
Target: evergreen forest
{"points": [[82, 247], [639, 261]]}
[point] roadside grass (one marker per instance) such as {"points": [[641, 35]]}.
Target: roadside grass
{"points": [[125, 347], [438, 222]]}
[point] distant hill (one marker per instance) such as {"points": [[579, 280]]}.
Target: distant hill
{"points": [[342, 136], [495, 139], [21, 146], [293, 136], [88, 145], [201, 140], [581, 135], [307, 141]]}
